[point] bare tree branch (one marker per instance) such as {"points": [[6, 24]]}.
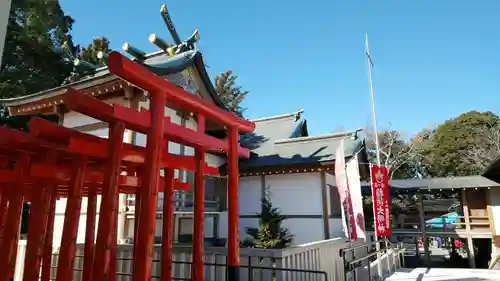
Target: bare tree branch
{"points": [[397, 152]]}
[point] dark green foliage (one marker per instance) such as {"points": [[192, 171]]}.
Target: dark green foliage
{"points": [[39, 49], [230, 94], [39, 53], [269, 234], [462, 146]]}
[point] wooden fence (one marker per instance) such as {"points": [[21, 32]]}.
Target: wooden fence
{"points": [[316, 261]]}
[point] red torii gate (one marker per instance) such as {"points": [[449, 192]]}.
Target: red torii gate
{"points": [[52, 161]]}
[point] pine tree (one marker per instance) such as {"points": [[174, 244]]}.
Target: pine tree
{"points": [[39, 49], [269, 234], [231, 95], [89, 54]]}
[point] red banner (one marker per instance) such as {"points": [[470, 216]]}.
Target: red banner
{"points": [[381, 200]]}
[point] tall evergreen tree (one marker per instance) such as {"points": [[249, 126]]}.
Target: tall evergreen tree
{"points": [[462, 146], [38, 50], [270, 234], [229, 92]]}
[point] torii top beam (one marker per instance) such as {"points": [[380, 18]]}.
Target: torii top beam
{"points": [[139, 75]]}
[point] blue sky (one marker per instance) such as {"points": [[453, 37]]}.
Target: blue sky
{"points": [[433, 59]]}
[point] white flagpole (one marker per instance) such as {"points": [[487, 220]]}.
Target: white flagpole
{"points": [[374, 114], [377, 147]]}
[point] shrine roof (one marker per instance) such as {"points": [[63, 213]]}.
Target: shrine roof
{"points": [[439, 184], [283, 140], [158, 62]]}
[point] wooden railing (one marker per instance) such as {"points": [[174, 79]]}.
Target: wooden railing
{"points": [[476, 223]]}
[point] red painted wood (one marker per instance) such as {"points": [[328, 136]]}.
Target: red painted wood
{"points": [[102, 253], [47, 250], [53, 132], [137, 215], [198, 268], [7, 176], [138, 75], [135, 154], [37, 221], [233, 208], [113, 241], [167, 226], [62, 174], [141, 122], [88, 255], [39, 211], [4, 201], [10, 239], [82, 103], [71, 220], [101, 175], [149, 198], [13, 139]]}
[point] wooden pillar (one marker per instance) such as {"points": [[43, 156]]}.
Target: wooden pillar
{"points": [[88, 256], [167, 226], [324, 202], [198, 267], [108, 203], [425, 240], [67, 251], [470, 244], [233, 259], [149, 197], [12, 219], [49, 236]]}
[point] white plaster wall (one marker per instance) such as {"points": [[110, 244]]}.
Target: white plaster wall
{"points": [[249, 197], [296, 194], [336, 228], [305, 230]]}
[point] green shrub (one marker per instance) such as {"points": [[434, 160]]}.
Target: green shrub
{"points": [[269, 234]]}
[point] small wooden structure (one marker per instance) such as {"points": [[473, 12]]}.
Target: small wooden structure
{"points": [[52, 161], [472, 198]]}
